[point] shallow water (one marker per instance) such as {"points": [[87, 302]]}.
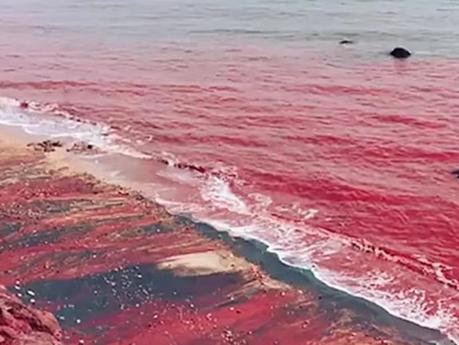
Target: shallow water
{"points": [[336, 156]]}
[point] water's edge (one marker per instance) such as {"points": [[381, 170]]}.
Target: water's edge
{"points": [[259, 254]]}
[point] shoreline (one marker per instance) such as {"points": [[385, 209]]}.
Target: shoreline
{"points": [[243, 262], [257, 253]]}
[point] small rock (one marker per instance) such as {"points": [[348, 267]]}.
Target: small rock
{"points": [[82, 147], [46, 145], [191, 167], [400, 53], [344, 42], [456, 173], [23, 324]]}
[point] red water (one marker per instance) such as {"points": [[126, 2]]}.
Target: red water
{"points": [[342, 163]]}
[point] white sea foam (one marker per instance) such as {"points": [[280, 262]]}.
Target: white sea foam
{"points": [[46, 121], [408, 304], [218, 193]]}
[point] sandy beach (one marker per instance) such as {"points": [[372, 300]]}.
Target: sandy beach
{"points": [[117, 268]]}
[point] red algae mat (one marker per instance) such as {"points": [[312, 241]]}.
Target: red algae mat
{"points": [[116, 268]]}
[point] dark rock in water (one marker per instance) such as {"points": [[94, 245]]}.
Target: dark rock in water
{"points": [[400, 53], [343, 42], [191, 167], [184, 166], [456, 173]]}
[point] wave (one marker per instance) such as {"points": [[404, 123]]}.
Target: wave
{"points": [[48, 120], [331, 257], [312, 248]]}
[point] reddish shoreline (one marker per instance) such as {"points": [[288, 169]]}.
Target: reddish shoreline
{"points": [[116, 268]]}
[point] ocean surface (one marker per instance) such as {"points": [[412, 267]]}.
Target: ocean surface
{"points": [[251, 116]]}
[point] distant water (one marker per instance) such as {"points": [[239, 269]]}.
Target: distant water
{"points": [[336, 156]]}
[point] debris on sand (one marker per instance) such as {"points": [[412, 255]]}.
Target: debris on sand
{"points": [[46, 145]]}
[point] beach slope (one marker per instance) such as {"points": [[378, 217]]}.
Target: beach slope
{"points": [[116, 268]]}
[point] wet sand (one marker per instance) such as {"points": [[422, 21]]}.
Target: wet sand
{"points": [[117, 268]]}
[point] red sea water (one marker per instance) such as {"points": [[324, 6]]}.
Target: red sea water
{"points": [[337, 157]]}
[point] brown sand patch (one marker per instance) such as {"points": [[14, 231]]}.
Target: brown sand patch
{"points": [[205, 263]]}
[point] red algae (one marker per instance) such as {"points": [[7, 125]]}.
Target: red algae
{"points": [[116, 268]]}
